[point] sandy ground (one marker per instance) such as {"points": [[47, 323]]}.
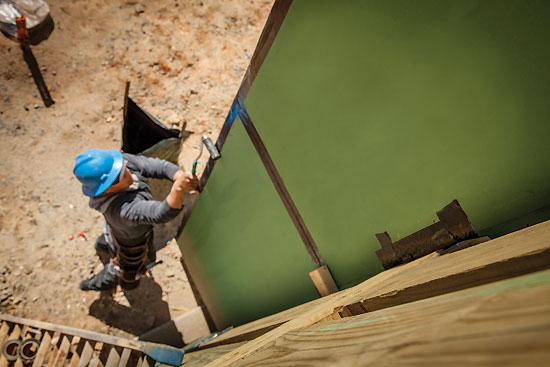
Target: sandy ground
{"points": [[185, 61]]}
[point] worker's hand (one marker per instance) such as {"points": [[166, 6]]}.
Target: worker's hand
{"points": [[178, 175], [186, 182]]}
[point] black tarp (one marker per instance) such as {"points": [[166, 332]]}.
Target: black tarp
{"points": [[141, 131]]}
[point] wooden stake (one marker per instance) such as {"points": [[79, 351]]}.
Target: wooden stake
{"points": [[322, 278]]}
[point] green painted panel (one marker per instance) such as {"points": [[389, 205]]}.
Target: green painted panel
{"points": [[379, 113], [240, 245]]}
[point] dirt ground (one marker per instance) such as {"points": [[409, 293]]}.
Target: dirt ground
{"points": [[185, 61]]}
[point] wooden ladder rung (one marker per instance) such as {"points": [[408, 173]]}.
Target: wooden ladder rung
{"points": [[62, 352], [52, 351], [86, 355], [113, 359], [96, 362], [42, 350], [124, 357]]}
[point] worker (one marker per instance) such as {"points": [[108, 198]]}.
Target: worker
{"points": [[118, 188]]}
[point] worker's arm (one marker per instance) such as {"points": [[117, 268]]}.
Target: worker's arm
{"points": [[151, 167], [151, 211]]}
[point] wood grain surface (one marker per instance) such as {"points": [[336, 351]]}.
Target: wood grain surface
{"points": [[506, 323]]}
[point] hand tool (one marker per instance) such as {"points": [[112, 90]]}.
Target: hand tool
{"points": [[214, 153], [194, 169]]}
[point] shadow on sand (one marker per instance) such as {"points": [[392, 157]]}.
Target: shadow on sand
{"points": [[146, 309]]}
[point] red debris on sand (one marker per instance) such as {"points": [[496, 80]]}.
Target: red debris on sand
{"points": [[83, 235], [70, 238]]}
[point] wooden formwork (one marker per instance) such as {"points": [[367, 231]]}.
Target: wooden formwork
{"points": [[485, 305]]}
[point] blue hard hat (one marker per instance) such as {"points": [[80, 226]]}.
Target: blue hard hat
{"points": [[97, 169]]}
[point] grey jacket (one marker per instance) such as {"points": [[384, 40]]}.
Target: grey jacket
{"points": [[130, 214]]}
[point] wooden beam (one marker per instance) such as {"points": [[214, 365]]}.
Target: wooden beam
{"points": [[202, 357], [323, 281], [518, 253], [502, 323], [271, 28], [281, 189], [104, 338]]}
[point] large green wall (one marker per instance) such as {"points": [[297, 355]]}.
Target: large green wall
{"points": [[376, 114], [240, 245], [379, 113]]}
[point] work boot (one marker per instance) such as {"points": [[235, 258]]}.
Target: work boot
{"points": [[104, 280]]}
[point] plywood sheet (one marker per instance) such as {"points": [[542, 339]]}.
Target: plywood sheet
{"points": [[379, 113]]}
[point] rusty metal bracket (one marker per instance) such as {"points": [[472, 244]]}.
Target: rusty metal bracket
{"points": [[453, 227]]}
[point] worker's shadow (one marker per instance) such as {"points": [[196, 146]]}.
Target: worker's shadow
{"points": [[146, 309]]}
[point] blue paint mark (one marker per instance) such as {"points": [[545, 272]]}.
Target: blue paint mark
{"points": [[233, 112]]}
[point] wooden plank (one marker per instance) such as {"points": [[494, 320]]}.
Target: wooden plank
{"points": [[464, 244], [86, 355], [515, 254], [44, 347], [63, 352], [75, 358], [125, 356], [95, 362], [90, 335], [54, 348], [323, 281], [4, 330], [506, 323], [113, 359], [204, 356], [272, 26], [146, 362]]}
